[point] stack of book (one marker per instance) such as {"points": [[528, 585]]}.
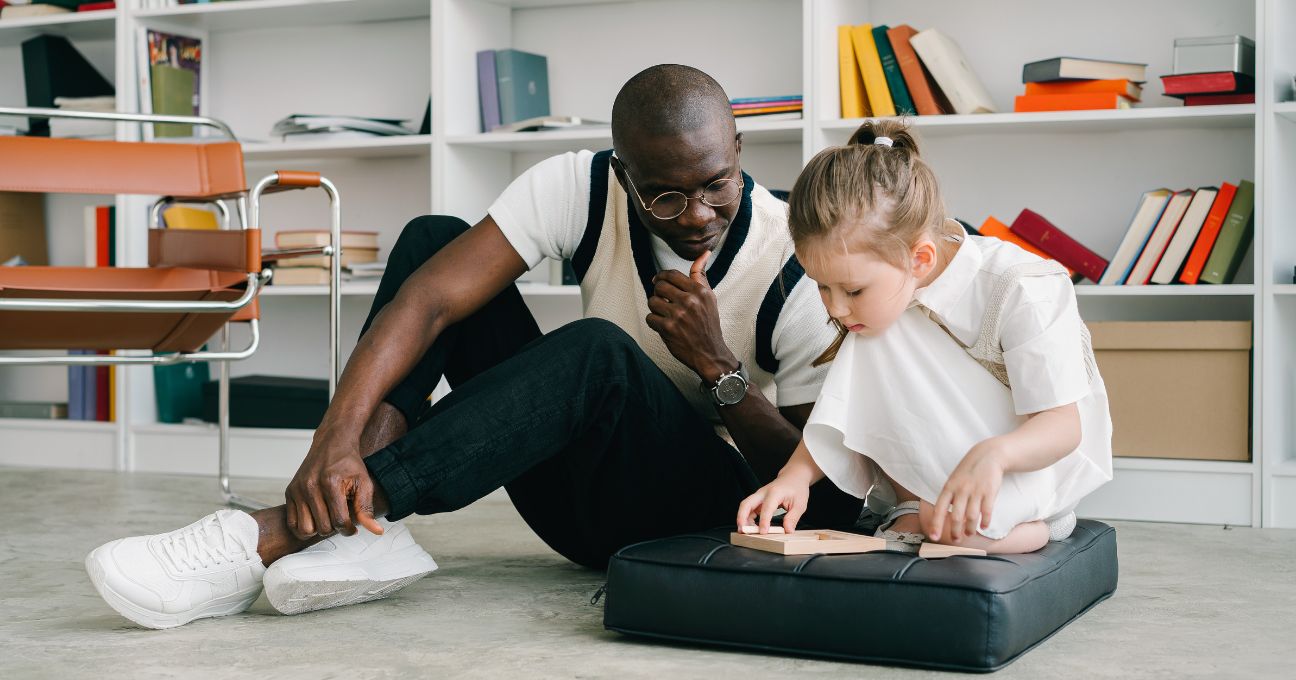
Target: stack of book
{"points": [[1072, 84], [888, 71], [17, 9], [1189, 236], [300, 126], [82, 127], [359, 248], [1212, 70], [768, 108]]}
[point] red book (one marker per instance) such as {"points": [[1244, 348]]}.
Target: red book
{"points": [[102, 392], [1221, 82], [103, 247], [1214, 99], [1206, 238], [94, 6], [1043, 235], [1080, 101]]}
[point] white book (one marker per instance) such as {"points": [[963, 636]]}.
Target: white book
{"points": [[1160, 238], [1145, 218], [1185, 236], [942, 56], [91, 253]]}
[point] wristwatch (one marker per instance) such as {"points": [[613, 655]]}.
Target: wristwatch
{"points": [[730, 388]]}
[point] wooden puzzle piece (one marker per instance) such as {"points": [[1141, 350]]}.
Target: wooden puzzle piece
{"points": [[753, 529], [809, 542], [936, 551]]}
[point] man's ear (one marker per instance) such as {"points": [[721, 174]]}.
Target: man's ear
{"points": [[619, 171], [923, 256], [738, 143]]}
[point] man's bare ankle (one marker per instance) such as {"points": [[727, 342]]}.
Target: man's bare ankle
{"points": [[386, 425]]}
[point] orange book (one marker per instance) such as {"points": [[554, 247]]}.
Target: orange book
{"points": [[922, 88], [999, 230], [1083, 101], [1122, 87], [1210, 230]]}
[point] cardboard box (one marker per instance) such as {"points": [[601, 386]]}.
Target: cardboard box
{"points": [[22, 227], [1178, 389]]}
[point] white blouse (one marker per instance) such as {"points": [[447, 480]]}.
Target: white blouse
{"points": [[912, 401]]}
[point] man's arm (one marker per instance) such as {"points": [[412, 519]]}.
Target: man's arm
{"points": [[332, 488]]}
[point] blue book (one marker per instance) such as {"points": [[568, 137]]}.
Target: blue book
{"points": [[90, 387], [523, 80], [766, 100], [488, 90], [76, 390]]}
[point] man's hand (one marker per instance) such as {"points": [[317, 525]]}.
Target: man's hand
{"points": [[684, 313], [969, 494], [332, 490]]}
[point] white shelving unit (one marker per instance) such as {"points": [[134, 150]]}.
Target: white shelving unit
{"points": [[1084, 169]]}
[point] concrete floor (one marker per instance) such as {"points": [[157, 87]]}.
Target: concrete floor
{"points": [[1193, 601]]}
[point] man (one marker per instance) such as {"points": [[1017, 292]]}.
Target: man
{"points": [[699, 328]]}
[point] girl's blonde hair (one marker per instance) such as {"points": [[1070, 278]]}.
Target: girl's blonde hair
{"points": [[873, 197]]}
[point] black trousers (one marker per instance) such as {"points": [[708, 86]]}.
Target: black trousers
{"points": [[596, 447]]}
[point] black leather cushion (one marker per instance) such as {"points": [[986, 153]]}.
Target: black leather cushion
{"points": [[959, 613]]}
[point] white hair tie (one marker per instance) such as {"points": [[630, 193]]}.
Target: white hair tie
{"points": [[883, 141]]}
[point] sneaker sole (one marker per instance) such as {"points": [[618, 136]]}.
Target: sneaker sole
{"points": [[290, 595], [147, 617]]}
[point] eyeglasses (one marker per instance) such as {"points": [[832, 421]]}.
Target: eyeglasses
{"points": [[672, 204]]}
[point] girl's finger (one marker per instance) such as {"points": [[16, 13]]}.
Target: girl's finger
{"points": [[958, 516], [987, 507], [938, 517], [745, 510], [794, 511]]}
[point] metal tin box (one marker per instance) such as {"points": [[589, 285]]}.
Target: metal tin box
{"points": [[1215, 53]]}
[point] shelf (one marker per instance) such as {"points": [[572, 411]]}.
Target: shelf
{"points": [[1159, 118], [1286, 110], [57, 425], [98, 25], [754, 132], [1183, 465], [369, 288], [261, 14], [1238, 290], [1283, 289], [378, 147]]}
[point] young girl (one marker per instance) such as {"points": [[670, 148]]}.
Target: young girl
{"points": [[963, 400]]}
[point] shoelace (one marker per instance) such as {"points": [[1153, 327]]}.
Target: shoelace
{"points": [[189, 552]]}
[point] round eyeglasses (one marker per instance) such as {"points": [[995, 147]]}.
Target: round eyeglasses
{"points": [[672, 204]]}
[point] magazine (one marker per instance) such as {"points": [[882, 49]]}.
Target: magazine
{"points": [[171, 67]]}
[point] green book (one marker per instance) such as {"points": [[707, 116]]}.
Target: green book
{"points": [[904, 105], [523, 80], [173, 92], [1234, 238], [179, 390]]}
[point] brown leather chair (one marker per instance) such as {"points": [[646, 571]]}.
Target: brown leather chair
{"points": [[196, 282]]}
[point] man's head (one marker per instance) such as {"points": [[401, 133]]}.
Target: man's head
{"points": [[673, 130]]}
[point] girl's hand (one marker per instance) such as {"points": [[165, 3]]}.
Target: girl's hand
{"points": [[969, 494], [787, 492]]}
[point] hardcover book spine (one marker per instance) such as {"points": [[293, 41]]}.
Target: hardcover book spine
{"points": [[1040, 232]]}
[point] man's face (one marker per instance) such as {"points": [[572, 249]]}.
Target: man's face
{"points": [[687, 163]]}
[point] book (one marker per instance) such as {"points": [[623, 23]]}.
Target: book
{"points": [[1032, 226], [950, 68], [96, 6], [33, 409], [1218, 99], [1209, 232], [311, 238], [1189, 227], [1234, 238], [350, 257], [1146, 215], [1075, 68], [1081, 101], [904, 106], [1128, 88], [52, 68], [24, 11], [523, 81], [926, 94], [299, 276], [165, 56], [1223, 82], [870, 65], [790, 98], [76, 390], [185, 217], [177, 388], [996, 229], [739, 113], [1160, 238], [777, 101], [849, 80], [487, 91]]}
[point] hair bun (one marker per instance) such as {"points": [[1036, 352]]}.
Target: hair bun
{"points": [[892, 129]]}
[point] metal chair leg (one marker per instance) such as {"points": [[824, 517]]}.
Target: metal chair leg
{"points": [[223, 414]]}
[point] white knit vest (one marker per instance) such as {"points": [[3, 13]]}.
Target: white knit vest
{"points": [[613, 289]]}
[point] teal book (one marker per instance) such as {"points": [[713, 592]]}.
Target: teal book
{"points": [[523, 80], [179, 390], [904, 105], [1234, 238]]}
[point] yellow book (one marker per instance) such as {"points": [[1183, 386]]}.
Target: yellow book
{"points": [[848, 74], [870, 64], [183, 217]]}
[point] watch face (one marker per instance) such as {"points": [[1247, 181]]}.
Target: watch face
{"points": [[731, 389]]}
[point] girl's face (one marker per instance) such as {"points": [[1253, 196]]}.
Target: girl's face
{"points": [[860, 290]]}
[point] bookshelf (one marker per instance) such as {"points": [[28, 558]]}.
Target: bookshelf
{"points": [[1084, 170]]}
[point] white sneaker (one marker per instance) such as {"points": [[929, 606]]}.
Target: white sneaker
{"points": [[344, 570], [209, 568]]}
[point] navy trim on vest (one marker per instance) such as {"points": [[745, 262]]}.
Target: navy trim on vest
{"points": [[641, 243], [584, 255], [770, 309]]}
